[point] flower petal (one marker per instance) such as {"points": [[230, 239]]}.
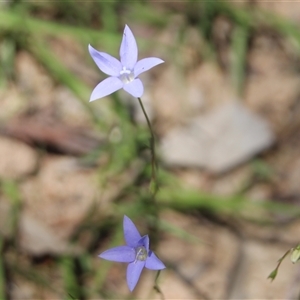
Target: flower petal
{"points": [[106, 87], [144, 241], [146, 64], [153, 262], [128, 49], [134, 271], [119, 254], [134, 88], [105, 62], [131, 234]]}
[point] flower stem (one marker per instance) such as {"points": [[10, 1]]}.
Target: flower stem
{"points": [[152, 149], [153, 189], [157, 288]]}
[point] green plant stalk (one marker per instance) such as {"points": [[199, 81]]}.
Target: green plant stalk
{"points": [[2, 273], [239, 54], [273, 274], [11, 191], [7, 57], [72, 289], [152, 148], [156, 286]]}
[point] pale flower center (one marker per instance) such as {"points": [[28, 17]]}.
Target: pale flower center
{"points": [[140, 253], [126, 75]]}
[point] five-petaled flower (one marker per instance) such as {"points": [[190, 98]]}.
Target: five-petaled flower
{"points": [[136, 253], [123, 74]]}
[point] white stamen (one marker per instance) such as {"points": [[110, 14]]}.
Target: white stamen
{"points": [[141, 254], [126, 75]]}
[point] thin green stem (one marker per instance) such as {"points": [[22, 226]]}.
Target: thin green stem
{"points": [[273, 274], [152, 147], [152, 205], [2, 275], [157, 288]]}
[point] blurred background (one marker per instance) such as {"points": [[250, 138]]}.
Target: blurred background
{"points": [[225, 107]]}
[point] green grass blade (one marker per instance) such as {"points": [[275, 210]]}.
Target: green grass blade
{"points": [[72, 289], [2, 272], [239, 55]]}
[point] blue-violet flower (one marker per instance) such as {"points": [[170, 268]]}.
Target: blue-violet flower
{"points": [[136, 253], [123, 74]]}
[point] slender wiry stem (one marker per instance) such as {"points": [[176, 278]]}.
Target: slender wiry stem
{"points": [[273, 274], [152, 145], [2, 276], [157, 288], [154, 188]]}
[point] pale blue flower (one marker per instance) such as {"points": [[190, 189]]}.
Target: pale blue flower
{"points": [[136, 253], [123, 74]]}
